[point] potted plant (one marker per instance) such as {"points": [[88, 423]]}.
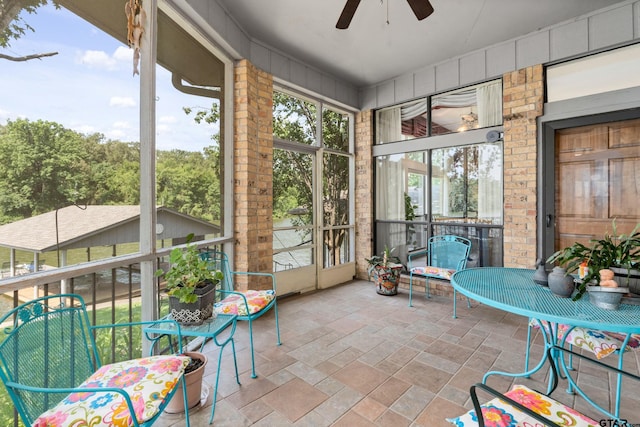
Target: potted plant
{"points": [[617, 252], [193, 376], [385, 270], [190, 284]]}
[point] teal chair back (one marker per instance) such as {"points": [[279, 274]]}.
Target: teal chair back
{"points": [[443, 256], [450, 252], [49, 345], [218, 260]]}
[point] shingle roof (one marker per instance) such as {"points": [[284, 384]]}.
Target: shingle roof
{"points": [[91, 226]]}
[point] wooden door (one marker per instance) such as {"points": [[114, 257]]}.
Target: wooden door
{"points": [[597, 180]]}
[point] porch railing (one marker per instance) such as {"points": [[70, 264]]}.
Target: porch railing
{"points": [[111, 290]]}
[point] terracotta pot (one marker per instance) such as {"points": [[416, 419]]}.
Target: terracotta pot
{"points": [[194, 387]]}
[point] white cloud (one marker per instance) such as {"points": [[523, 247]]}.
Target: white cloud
{"points": [[167, 119], [123, 54], [122, 125], [97, 59], [163, 128], [84, 129], [122, 101], [116, 134]]}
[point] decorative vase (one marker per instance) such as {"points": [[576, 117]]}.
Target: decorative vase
{"points": [[194, 385], [541, 275], [560, 284], [387, 278]]}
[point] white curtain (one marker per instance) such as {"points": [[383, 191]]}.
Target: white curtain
{"points": [[390, 183], [455, 100], [389, 125], [489, 101]]}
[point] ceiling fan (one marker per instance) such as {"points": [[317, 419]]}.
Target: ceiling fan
{"points": [[421, 8]]}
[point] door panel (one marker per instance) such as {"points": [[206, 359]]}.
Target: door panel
{"points": [[597, 180]]}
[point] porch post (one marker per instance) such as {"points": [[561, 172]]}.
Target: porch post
{"points": [[148, 47]]}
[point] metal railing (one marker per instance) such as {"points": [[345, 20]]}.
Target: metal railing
{"points": [[111, 290]]}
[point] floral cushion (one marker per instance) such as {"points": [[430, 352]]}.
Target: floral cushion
{"points": [[234, 303], [444, 273], [147, 381], [600, 343], [498, 413]]}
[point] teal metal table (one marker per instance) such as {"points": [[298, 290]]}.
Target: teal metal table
{"points": [[210, 329], [513, 290]]}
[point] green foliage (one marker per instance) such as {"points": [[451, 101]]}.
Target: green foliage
{"points": [[44, 166], [612, 250], [188, 272], [12, 22]]}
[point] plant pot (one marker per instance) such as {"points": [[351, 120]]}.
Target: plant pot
{"points": [[627, 279], [194, 386], [386, 279], [607, 298], [195, 313], [560, 284]]}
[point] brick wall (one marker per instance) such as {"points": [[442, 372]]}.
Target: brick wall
{"points": [[523, 96], [364, 190], [253, 172]]}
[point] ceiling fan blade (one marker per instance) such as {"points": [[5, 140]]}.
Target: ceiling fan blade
{"points": [[347, 14], [421, 8]]}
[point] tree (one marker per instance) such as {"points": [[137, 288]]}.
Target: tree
{"points": [[295, 119], [13, 25], [43, 166]]}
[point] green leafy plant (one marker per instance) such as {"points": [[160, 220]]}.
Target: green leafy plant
{"points": [[612, 250], [384, 260], [188, 272]]}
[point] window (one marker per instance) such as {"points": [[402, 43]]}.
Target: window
{"points": [[465, 109], [604, 72], [457, 189], [402, 122]]}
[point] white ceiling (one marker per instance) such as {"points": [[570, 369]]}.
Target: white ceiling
{"points": [[371, 51]]}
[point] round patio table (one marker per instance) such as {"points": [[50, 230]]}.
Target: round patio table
{"points": [[513, 290]]}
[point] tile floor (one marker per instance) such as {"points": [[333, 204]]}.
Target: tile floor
{"points": [[350, 357]]}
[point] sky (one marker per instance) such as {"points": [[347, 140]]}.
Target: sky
{"points": [[89, 85]]}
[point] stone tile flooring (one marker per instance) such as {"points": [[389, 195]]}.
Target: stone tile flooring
{"points": [[350, 357]]}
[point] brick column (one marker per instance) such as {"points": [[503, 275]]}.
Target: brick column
{"points": [[523, 95], [364, 190], [253, 172]]}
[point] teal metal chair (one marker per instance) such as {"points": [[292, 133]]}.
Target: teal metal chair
{"points": [[247, 305], [50, 366], [443, 256]]}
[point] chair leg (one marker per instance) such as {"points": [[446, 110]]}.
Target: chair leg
{"points": [[410, 288], [275, 312], [253, 361], [454, 303]]}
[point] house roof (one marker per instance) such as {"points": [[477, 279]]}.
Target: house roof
{"points": [[94, 225]]}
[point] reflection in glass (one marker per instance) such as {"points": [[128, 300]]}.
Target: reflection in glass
{"points": [[402, 122], [465, 109], [467, 183]]}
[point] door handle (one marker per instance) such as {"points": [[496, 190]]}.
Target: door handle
{"points": [[549, 219]]}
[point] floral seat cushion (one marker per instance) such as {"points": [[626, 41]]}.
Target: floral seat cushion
{"points": [[498, 413], [147, 381], [443, 273], [600, 343], [234, 303]]}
